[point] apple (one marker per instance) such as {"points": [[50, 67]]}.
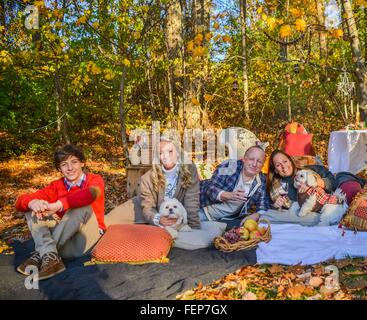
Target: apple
{"points": [[245, 234], [255, 234], [250, 225]]}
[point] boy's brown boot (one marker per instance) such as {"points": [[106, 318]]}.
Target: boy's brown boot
{"points": [[51, 266], [33, 260]]}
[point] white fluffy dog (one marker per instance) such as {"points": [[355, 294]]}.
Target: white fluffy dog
{"points": [[172, 208], [312, 198]]}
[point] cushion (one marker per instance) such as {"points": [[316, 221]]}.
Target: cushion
{"points": [[295, 127], [301, 161], [356, 217], [298, 144], [202, 238], [133, 243]]}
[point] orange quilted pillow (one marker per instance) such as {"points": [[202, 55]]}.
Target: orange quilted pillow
{"points": [[133, 243]]}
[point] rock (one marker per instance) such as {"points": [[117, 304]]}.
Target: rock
{"points": [[315, 282]]}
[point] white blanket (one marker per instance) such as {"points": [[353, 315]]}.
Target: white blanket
{"points": [[292, 244]]}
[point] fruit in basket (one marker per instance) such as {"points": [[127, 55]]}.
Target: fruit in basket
{"points": [[250, 225], [245, 234], [255, 234], [233, 235], [262, 230]]}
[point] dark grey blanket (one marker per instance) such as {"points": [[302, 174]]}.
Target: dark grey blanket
{"points": [[122, 281]]}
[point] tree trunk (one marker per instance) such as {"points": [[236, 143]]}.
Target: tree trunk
{"points": [[322, 35], [3, 14], [173, 43], [122, 113], [196, 114], [357, 57], [62, 123], [243, 10]]}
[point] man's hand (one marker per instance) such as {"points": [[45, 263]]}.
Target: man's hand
{"points": [[166, 222], [238, 195]]}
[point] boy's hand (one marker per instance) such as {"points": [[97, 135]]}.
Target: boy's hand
{"points": [[55, 206], [38, 206]]}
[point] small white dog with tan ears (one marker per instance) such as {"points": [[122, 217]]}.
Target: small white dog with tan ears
{"points": [[172, 208], [312, 198]]}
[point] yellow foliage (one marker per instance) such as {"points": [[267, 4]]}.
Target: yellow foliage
{"points": [[39, 4], [126, 62], [361, 3], [208, 36], [271, 23], [57, 13], [2, 28], [190, 46], [226, 39], [95, 69], [95, 25], [86, 79], [198, 51], [199, 38], [301, 25], [81, 20], [51, 36], [109, 74], [285, 31], [259, 10], [297, 13], [136, 35], [208, 97], [336, 33], [195, 102], [75, 81], [5, 57], [216, 25], [264, 17]]}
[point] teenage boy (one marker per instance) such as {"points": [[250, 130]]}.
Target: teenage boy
{"points": [[66, 218]]}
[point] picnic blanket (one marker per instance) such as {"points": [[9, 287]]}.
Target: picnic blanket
{"points": [[122, 281], [292, 244]]}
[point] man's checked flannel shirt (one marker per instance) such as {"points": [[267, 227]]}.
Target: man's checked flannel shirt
{"points": [[227, 180], [322, 197]]}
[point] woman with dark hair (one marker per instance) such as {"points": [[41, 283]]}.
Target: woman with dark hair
{"points": [[281, 173], [282, 170]]}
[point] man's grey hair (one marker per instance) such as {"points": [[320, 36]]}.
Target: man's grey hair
{"points": [[251, 148]]}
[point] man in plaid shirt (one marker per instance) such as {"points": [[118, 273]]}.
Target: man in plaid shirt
{"points": [[235, 187]]}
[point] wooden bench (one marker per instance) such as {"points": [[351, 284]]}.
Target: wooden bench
{"points": [[134, 174]]}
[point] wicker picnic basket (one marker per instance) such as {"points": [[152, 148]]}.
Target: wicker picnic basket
{"points": [[223, 245]]}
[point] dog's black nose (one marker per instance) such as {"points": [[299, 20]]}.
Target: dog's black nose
{"points": [[170, 210]]}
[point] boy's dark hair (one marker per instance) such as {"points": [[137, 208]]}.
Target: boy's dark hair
{"points": [[65, 152]]}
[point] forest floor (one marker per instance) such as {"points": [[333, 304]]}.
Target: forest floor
{"points": [[27, 173]]}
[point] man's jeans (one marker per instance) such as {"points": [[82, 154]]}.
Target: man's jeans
{"points": [[73, 236]]}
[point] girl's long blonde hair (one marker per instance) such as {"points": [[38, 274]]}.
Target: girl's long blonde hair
{"points": [[159, 180]]}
